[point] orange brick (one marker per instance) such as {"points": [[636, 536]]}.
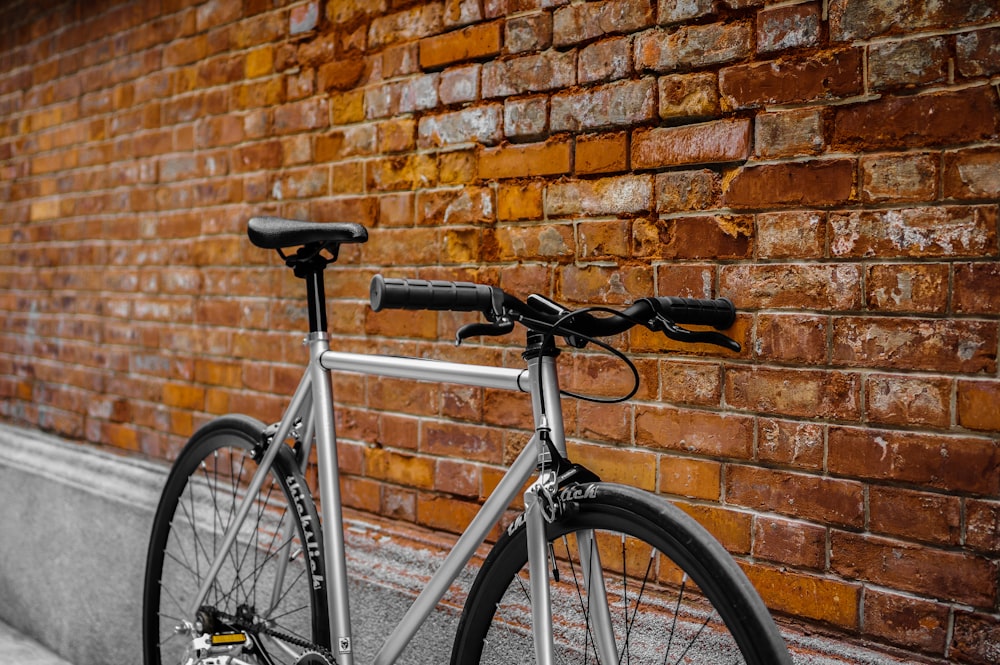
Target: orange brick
{"points": [[473, 42], [516, 201], [979, 405], [408, 470], [823, 599], [632, 467], [691, 478], [535, 159], [601, 153]]}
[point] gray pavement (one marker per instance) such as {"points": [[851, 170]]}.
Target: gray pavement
{"points": [[19, 649]]}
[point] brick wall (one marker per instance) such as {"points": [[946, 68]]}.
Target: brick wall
{"points": [[832, 167]]}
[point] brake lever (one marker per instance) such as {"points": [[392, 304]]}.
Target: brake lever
{"points": [[499, 327], [675, 332]]}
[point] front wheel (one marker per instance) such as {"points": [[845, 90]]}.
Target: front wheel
{"points": [[670, 593], [268, 603]]}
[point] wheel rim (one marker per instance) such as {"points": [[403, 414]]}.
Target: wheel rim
{"points": [[270, 546]]}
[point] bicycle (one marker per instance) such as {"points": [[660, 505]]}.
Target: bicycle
{"points": [[241, 569]]}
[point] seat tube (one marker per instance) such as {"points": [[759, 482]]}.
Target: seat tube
{"points": [[332, 505]]}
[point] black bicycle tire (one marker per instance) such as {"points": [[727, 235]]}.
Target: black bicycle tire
{"points": [[245, 432], [638, 513]]}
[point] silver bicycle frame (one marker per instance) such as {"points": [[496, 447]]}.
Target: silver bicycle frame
{"points": [[313, 403]]}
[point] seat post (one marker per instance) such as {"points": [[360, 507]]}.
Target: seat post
{"points": [[308, 264]]}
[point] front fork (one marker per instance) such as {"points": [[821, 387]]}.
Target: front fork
{"points": [[542, 507]]}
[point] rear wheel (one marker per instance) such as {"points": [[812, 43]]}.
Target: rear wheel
{"points": [[673, 594], [270, 587]]}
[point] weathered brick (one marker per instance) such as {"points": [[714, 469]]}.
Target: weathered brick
{"points": [[905, 122], [798, 286], [580, 22], [718, 141], [605, 61], [789, 542], [815, 183], [972, 174], [476, 124], [907, 287], [686, 190], [531, 32], [532, 243], [459, 84], [621, 103], [519, 200], [675, 11], [698, 432], [899, 178], [401, 26], [698, 237], [695, 383], [693, 46], [633, 467], [915, 515], [791, 443], [905, 620], [471, 43], [596, 284], [526, 118], [798, 338], [615, 195], [781, 28], [549, 70], [913, 568], [603, 240], [689, 96], [916, 232], [818, 76], [455, 206], [976, 288], [977, 52], [793, 234], [801, 393], [863, 19], [908, 63], [958, 464], [788, 133], [982, 525], [976, 637], [827, 500], [409, 171], [731, 528]]}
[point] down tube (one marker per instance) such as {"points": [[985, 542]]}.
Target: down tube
{"points": [[460, 555]]}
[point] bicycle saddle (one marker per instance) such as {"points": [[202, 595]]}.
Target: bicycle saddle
{"points": [[279, 233]]}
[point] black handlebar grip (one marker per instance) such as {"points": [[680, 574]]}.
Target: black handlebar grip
{"points": [[719, 313], [391, 293]]}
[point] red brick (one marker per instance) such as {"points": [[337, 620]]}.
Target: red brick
{"points": [[549, 70], [820, 598], [908, 401], [699, 432], [788, 133], [603, 240], [783, 28], [902, 287], [474, 42], [815, 183], [793, 338], [691, 478], [982, 525], [472, 443], [905, 122], [951, 463], [732, 528], [606, 60], [863, 19], [632, 467], [914, 568], [977, 288], [796, 286], [827, 500], [687, 190], [526, 243], [950, 345], [789, 542], [908, 63], [932, 518], [976, 52], [919, 232], [819, 76], [702, 237], [459, 84], [801, 393], [531, 32], [718, 141], [906, 621]]}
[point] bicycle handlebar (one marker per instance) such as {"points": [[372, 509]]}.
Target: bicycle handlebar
{"points": [[656, 313]]}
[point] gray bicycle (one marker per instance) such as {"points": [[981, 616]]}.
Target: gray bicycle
{"points": [[241, 568]]}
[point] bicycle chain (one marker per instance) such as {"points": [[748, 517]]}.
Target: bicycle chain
{"points": [[261, 628]]}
